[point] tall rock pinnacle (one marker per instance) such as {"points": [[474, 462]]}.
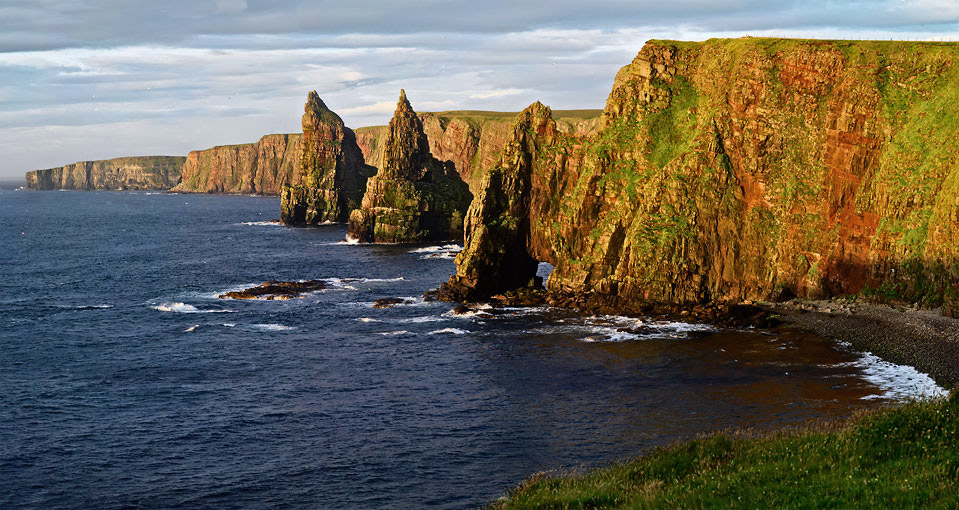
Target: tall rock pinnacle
{"points": [[414, 196], [331, 167]]}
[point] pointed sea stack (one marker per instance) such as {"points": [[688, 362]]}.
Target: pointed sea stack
{"points": [[495, 257], [414, 197], [333, 173]]}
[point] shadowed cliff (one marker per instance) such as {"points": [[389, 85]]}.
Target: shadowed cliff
{"points": [[740, 169]]}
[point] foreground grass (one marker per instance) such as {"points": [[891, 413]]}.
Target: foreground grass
{"points": [[903, 457]]}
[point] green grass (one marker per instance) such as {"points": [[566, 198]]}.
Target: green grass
{"points": [[903, 457]]}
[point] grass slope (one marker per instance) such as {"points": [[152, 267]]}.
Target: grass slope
{"points": [[903, 457]]}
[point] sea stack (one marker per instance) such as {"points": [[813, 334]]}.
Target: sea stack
{"points": [[414, 197], [495, 257], [332, 171]]}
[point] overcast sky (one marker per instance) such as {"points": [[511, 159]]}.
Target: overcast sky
{"points": [[96, 79]]}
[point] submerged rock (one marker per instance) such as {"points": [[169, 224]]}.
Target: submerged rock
{"points": [[276, 290], [333, 174], [414, 196]]}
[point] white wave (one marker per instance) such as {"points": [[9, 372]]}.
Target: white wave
{"points": [[177, 307], [191, 328], [89, 307], [229, 324], [349, 240], [435, 249], [446, 251], [393, 333], [367, 319], [451, 331], [349, 283], [426, 318], [897, 382], [272, 223], [271, 327], [154, 193]]}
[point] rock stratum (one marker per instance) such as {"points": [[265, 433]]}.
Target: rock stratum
{"points": [[734, 170], [332, 171], [414, 196], [130, 173]]}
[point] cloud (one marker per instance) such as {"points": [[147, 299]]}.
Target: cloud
{"points": [[103, 78], [495, 93]]}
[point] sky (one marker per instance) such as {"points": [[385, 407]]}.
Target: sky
{"points": [[97, 79]]}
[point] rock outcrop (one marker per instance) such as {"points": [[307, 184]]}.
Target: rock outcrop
{"points": [[130, 173], [332, 172], [496, 256], [414, 196], [261, 168], [736, 170]]}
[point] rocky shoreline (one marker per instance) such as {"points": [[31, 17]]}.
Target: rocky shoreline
{"points": [[921, 338]]}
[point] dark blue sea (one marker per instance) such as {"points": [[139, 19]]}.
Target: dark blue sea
{"points": [[126, 382]]}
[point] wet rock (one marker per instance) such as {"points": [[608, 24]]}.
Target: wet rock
{"points": [[389, 302], [276, 290]]}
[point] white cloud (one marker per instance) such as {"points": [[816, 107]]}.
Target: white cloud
{"points": [[494, 93]]}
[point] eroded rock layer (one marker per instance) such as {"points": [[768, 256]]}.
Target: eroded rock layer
{"points": [[414, 196], [131, 173], [739, 169], [332, 172]]}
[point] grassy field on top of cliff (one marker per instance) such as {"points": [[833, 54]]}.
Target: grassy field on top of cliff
{"points": [[900, 457]]}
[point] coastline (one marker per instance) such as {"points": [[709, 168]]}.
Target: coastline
{"points": [[921, 338]]}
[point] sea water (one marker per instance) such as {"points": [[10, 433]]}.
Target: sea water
{"points": [[126, 382]]}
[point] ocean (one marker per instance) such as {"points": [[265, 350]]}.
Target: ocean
{"points": [[126, 382]]}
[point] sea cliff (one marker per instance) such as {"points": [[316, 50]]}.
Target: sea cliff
{"points": [[129, 173], [731, 170], [262, 168]]}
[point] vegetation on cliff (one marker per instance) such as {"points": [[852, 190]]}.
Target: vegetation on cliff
{"points": [[892, 458], [332, 171], [414, 196], [757, 169], [129, 173]]}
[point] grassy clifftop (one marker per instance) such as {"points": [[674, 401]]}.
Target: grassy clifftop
{"points": [[893, 458]]}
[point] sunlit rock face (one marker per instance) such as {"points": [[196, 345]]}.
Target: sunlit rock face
{"points": [[332, 171], [414, 196], [735, 170]]}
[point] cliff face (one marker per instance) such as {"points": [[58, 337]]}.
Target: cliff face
{"points": [[414, 196], [262, 168], [131, 173], [332, 172], [472, 140], [750, 169]]}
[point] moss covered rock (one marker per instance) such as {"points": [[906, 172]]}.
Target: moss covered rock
{"points": [[749, 168], [414, 196], [332, 171]]}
